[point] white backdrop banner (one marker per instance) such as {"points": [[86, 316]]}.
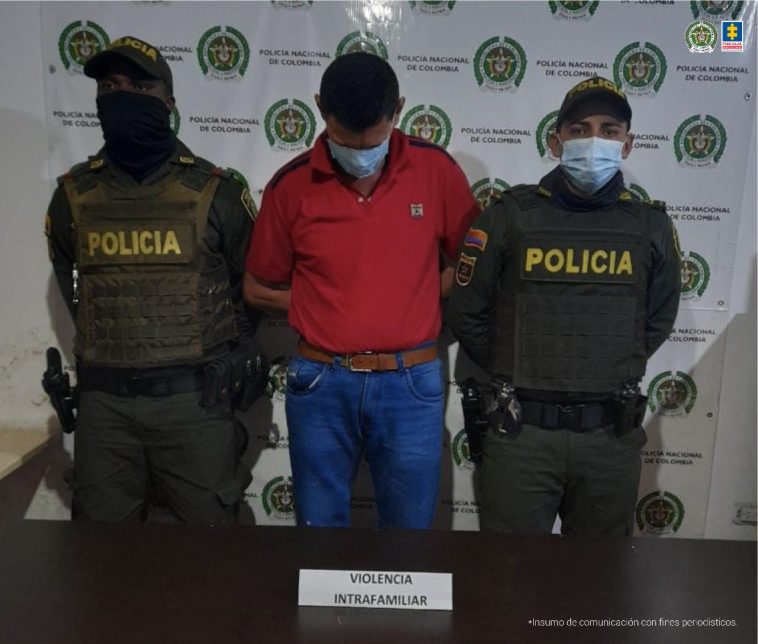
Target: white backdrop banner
{"points": [[484, 80]]}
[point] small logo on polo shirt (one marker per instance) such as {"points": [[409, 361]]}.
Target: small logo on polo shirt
{"points": [[417, 210]]}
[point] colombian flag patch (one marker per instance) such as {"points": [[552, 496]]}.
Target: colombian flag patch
{"points": [[476, 238]]}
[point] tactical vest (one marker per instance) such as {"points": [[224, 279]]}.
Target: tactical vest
{"points": [[151, 293], [571, 302]]}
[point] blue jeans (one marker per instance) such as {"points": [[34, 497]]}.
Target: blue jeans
{"points": [[334, 416]]}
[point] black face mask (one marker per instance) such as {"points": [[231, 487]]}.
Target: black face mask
{"points": [[137, 132]]}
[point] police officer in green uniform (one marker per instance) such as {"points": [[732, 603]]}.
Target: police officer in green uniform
{"points": [[563, 291], [148, 243]]}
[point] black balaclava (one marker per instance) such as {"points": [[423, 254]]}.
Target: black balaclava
{"points": [[137, 131]]}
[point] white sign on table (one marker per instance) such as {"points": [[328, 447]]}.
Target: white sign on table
{"points": [[376, 589]]}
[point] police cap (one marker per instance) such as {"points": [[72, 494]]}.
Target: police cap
{"points": [[594, 95], [144, 55]]}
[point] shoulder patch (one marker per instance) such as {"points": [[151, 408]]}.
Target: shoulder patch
{"points": [[675, 235], [465, 270], [238, 177], [186, 160], [249, 205], [476, 238], [296, 163], [625, 195]]}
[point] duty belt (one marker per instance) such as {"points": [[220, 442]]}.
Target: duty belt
{"points": [[575, 417], [369, 361], [142, 382]]}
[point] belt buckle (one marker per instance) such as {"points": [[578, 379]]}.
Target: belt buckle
{"points": [[356, 369], [571, 415]]}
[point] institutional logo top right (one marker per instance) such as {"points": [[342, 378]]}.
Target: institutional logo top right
{"points": [[702, 35]]}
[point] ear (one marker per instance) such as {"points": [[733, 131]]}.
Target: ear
{"points": [[626, 150], [555, 145], [170, 103]]}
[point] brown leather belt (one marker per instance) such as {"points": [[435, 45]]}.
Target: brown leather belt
{"points": [[369, 361]]}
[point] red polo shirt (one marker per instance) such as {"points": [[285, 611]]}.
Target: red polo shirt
{"points": [[365, 272]]}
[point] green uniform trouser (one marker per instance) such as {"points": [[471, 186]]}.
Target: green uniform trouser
{"points": [[589, 479], [189, 453]]}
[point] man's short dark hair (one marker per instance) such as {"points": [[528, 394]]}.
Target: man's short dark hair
{"points": [[359, 90]]}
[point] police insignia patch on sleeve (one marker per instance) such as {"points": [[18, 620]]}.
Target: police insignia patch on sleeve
{"points": [[249, 204], [677, 247], [476, 238], [465, 270]]}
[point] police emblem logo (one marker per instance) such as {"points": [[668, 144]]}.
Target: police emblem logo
{"points": [[573, 10], [223, 53], [671, 394], [731, 36], [278, 498], [276, 387], [435, 7], [639, 69], [362, 41], [701, 37], [700, 141], [417, 210], [174, 120], [659, 513], [487, 190], [545, 128], [499, 64], [290, 125], [460, 451], [639, 192], [716, 10], [465, 270], [79, 42], [427, 122], [695, 276]]}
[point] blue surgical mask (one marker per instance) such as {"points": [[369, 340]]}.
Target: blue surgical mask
{"points": [[359, 163], [592, 162]]}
